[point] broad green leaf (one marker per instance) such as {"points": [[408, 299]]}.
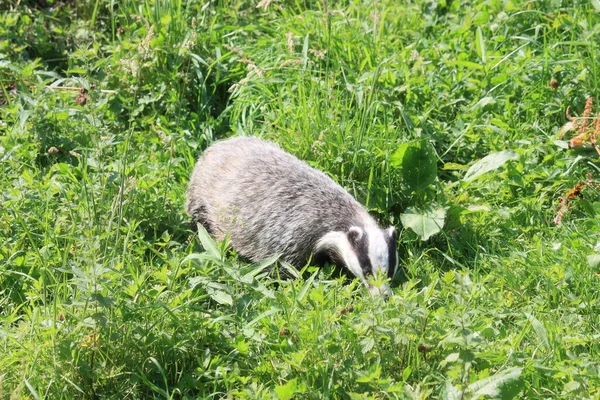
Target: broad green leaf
{"points": [[165, 19], [208, 243], [221, 297], [451, 392], [23, 117], [306, 286], [481, 18], [369, 376], [596, 4], [262, 289], [406, 373], [241, 345], [491, 385], [271, 311], [199, 59], [61, 115], [103, 301], [484, 101], [367, 344], [489, 163], [571, 386], [539, 329], [289, 269], [424, 223], [261, 266], [417, 163], [287, 391], [594, 261], [480, 44]]}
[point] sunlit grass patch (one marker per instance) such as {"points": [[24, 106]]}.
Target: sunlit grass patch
{"points": [[105, 292]]}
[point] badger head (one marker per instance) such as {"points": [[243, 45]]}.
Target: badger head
{"points": [[364, 252]]}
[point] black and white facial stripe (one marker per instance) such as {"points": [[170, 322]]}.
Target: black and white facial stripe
{"points": [[392, 238], [360, 244], [364, 252]]}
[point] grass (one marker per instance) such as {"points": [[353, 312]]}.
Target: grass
{"points": [[105, 106]]}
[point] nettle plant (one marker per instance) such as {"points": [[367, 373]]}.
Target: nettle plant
{"points": [[417, 164]]}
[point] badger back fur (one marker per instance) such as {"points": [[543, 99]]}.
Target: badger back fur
{"points": [[269, 202]]}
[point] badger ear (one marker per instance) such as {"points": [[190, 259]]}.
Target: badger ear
{"points": [[392, 233], [354, 234]]}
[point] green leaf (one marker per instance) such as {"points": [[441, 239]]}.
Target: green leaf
{"points": [[454, 166], [32, 390], [306, 286], [490, 386], [594, 261], [208, 243], [424, 223], [72, 71], [480, 45], [261, 266], [572, 386], [466, 64], [165, 20], [484, 101], [241, 345], [369, 376], [563, 144], [596, 4], [271, 311], [489, 163], [103, 301], [367, 344], [417, 163], [287, 391], [61, 115], [451, 392], [481, 18], [539, 329], [221, 297], [305, 51], [406, 373], [199, 59]]}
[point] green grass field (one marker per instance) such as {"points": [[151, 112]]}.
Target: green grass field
{"points": [[105, 292]]}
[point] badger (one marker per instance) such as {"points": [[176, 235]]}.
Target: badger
{"points": [[268, 203]]}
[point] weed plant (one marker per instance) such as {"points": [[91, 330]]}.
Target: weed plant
{"points": [[443, 115]]}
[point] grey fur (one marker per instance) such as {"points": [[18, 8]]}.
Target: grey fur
{"points": [[268, 201]]}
